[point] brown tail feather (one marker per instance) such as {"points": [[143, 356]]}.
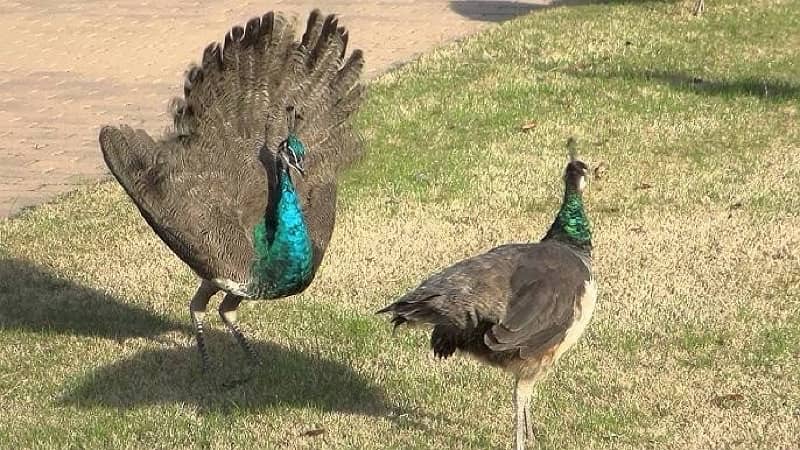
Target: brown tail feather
{"points": [[313, 29], [348, 77], [242, 87]]}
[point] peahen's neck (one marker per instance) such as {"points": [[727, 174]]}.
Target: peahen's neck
{"points": [[284, 253], [571, 225]]}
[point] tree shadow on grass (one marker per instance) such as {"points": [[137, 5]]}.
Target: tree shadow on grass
{"points": [[500, 11], [286, 377], [764, 88], [34, 299], [493, 11], [773, 90]]}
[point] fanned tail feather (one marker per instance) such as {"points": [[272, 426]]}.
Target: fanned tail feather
{"points": [[243, 87]]}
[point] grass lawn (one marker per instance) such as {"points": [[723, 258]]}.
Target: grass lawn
{"points": [[696, 339]]}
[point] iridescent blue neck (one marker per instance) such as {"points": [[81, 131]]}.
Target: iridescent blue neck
{"points": [[284, 254]]}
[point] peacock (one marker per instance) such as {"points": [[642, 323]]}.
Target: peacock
{"points": [[518, 307], [242, 187]]}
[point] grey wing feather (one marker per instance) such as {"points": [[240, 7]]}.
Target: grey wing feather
{"points": [[522, 295], [180, 209], [463, 295], [544, 289]]}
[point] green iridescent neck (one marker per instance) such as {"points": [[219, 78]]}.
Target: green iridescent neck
{"points": [[283, 262], [571, 224]]}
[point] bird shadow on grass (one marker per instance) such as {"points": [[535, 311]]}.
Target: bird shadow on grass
{"points": [[34, 299], [286, 377]]}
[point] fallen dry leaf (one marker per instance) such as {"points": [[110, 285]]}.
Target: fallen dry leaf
{"points": [[314, 432], [727, 400], [600, 170]]}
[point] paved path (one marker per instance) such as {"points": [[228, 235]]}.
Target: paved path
{"points": [[70, 66]]}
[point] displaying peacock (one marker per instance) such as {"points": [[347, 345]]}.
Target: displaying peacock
{"points": [[243, 188], [518, 306]]}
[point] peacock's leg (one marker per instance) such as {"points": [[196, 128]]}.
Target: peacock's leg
{"points": [[197, 309], [699, 7], [227, 310], [523, 425]]}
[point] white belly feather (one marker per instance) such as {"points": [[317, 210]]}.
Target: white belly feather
{"points": [[584, 308]]}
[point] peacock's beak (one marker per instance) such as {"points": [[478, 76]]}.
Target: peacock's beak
{"points": [[295, 163], [298, 166], [291, 159]]}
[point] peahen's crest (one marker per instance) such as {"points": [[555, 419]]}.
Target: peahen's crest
{"points": [[572, 148]]}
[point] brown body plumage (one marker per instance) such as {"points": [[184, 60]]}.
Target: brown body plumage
{"points": [[518, 306], [205, 185]]}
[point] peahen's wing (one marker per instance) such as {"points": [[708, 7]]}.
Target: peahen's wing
{"points": [[463, 295], [203, 187], [544, 288]]}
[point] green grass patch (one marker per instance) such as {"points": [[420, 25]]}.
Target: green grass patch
{"points": [[694, 343]]}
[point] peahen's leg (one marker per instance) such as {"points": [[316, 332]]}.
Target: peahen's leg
{"points": [[523, 425], [197, 309], [227, 310]]}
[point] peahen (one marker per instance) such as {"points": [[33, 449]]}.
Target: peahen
{"points": [[518, 306], [243, 187]]}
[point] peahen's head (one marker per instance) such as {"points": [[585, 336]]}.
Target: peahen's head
{"points": [[577, 171], [292, 152], [575, 175]]}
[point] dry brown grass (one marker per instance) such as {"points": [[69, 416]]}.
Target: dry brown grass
{"points": [[696, 339]]}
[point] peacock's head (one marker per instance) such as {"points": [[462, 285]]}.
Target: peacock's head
{"points": [[577, 171], [292, 152]]}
